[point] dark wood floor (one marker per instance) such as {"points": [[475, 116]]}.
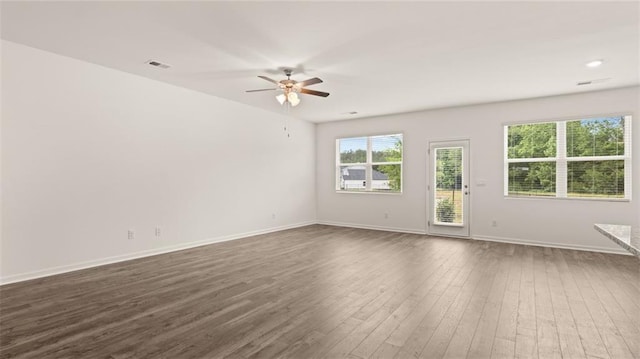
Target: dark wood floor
{"points": [[332, 292]]}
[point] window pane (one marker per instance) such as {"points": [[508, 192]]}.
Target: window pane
{"points": [[532, 179], [386, 148], [371, 163], [595, 137], [595, 179], [353, 150], [448, 179], [532, 141], [353, 178], [386, 178]]}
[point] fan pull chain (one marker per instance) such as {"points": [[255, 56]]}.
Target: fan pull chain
{"points": [[286, 120]]}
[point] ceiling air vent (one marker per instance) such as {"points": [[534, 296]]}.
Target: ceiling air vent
{"points": [[158, 64], [591, 82]]}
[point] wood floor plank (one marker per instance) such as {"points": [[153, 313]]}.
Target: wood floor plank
{"points": [[611, 338], [586, 327], [445, 329], [415, 343], [371, 343], [462, 338], [563, 288], [331, 292], [546, 328], [503, 348], [344, 348], [385, 351], [430, 295], [621, 307], [482, 342], [526, 328], [506, 332], [411, 297]]}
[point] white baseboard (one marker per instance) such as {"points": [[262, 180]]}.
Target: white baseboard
{"points": [[146, 253], [377, 228], [549, 244], [483, 238]]}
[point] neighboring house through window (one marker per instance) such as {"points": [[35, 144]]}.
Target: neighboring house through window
{"points": [[372, 163]]}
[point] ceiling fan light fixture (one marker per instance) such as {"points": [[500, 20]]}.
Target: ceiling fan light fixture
{"points": [[292, 97], [291, 88]]}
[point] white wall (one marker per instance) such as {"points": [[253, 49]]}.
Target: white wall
{"points": [[563, 223], [89, 152]]}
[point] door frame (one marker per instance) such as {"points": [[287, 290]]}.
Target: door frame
{"points": [[463, 231]]}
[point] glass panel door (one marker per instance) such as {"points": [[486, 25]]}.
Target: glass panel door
{"points": [[449, 189]]}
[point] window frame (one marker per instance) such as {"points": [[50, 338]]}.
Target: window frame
{"points": [[368, 165], [562, 160]]}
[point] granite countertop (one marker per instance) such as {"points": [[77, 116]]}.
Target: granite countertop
{"points": [[626, 237]]}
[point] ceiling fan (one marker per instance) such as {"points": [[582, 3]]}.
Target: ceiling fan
{"points": [[290, 88]]}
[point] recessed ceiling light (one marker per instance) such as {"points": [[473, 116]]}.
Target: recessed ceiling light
{"points": [[594, 63]]}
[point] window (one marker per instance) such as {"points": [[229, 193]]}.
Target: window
{"points": [[588, 158], [372, 164]]}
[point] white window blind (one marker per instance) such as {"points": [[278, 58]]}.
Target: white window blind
{"points": [[448, 184], [587, 158]]}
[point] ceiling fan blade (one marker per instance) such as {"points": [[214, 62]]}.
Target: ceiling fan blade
{"points": [[268, 79], [309, 82], [260, 90], [315, 93]]}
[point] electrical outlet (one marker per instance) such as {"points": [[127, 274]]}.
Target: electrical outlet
{"points": [[131, 234], [158, 232], [386, 215], [494, 223], [273, 216]]}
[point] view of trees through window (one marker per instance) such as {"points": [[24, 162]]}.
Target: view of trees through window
{"points": [[371, 163], [448, 183], [579, 158]]}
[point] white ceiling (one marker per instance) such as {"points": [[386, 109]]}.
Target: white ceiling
{"points": [[374, 57]]}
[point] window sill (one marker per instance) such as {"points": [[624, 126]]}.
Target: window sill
{"points": [[372, 192], [568, 198]]}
